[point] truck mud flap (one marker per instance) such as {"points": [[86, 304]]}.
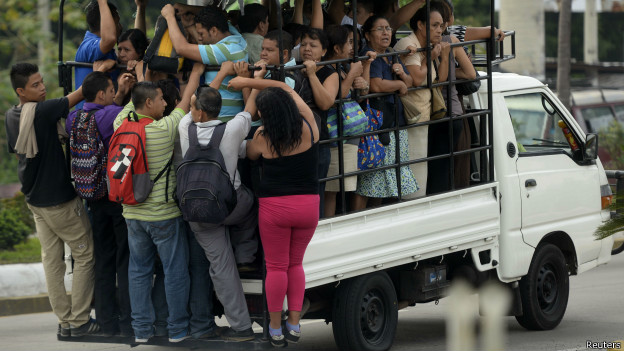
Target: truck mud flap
{"points": [[189, 344]]}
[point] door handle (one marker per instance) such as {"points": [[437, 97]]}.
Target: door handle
{"points": [[530, 182]]}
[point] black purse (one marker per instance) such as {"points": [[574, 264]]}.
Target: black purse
{"points": [[389, 116], [468, 88]]}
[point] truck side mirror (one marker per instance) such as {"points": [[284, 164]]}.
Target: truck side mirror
{"points": [[591, 147]]}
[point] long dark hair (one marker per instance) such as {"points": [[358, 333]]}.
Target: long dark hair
{"points": [[138, 40], [336, 35], [281, 119]]}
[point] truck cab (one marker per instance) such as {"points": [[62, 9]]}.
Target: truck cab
{"points": [[549, 192]]}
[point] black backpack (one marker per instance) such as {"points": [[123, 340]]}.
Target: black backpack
{"points": [[205, 192]]}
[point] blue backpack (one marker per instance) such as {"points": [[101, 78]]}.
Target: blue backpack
{"points": [[88, 157], [205, 192]]}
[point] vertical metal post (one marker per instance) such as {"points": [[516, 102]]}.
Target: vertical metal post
{"points": [[339, 124], [449, 114], [356, 42], [282, 75], [61, 68], [490, 120]]}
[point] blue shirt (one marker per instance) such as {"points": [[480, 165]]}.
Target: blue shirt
{"points": [[89, 51], [231, 48], [104, 118], [382, 69]]}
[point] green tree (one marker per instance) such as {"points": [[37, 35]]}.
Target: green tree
{"points": [[20, 35]]}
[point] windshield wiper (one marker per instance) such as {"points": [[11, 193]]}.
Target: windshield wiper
{"points": [[551, 142]]}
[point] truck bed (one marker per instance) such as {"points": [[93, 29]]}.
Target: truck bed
{"points": [[350, 245]]}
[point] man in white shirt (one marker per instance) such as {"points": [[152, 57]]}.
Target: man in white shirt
{"points": [[241, 222]]}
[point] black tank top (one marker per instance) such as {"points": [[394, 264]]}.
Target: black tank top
{"points": [[290, 175]]}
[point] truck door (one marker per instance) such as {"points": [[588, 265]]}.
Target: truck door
{"points": [[558, 192]]}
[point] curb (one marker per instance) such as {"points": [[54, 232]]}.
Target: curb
{"points": [[10, 306]]}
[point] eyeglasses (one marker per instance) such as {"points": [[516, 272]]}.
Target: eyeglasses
{"points": [[382, 29]]}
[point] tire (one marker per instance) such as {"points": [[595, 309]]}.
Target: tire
{"points": [[544, 290], [617, 248], [365, 313]]}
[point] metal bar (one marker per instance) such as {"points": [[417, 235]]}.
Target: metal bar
{"points": [[282, 75], [429, 158], [356, 42], [61, 69], [339, 124]]}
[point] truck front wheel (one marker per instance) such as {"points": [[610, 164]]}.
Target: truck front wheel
{"points": [[365, 313], [618, 247], [545, 289]]}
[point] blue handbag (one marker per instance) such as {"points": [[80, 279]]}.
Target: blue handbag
{"points": [[371, 151]]}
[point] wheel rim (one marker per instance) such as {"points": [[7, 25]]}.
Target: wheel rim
{"points": [[547, 288], [617, 246], [373, 316]]}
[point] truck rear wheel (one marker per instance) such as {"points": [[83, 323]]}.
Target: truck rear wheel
{"points": [[544, 290], [365, 313]]}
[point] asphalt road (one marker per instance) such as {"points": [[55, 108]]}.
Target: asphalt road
{"points": [[595, 313]]}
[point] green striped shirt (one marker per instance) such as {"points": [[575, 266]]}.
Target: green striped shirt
{"points": [[159, 140]]}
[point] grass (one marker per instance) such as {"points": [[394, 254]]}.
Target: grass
{"points": [[27, 252]]}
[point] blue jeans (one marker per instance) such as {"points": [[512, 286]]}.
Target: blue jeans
{"points": [[200, 302], [169, 239]]}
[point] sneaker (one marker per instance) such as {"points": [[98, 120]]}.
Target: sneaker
{"points": [[233, 335], [213, 333], [291, 335], [139, 340], [91, 327], [277, 340], [183, 335], [63, 332]]}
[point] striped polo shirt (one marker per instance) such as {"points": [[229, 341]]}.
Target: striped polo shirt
{"points": [[232, 48], [159, 140]]}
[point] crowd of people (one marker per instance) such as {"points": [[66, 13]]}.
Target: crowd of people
{"points": [[151, 273]]}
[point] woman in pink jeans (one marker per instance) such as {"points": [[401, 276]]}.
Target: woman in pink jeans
{"points": [[287, 145]]}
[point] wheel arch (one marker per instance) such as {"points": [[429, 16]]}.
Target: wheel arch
{"points": [[563, 241]]}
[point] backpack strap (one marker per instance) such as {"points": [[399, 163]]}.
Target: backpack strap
{"points": [[78, 114], [192, 134], [167, 168], [217, 135]]}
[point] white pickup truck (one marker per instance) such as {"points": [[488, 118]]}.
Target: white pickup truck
{"points": [[529, 228]]}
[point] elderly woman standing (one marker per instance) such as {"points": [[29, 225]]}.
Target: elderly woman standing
{"points": [[417, 66], [386, 77]]}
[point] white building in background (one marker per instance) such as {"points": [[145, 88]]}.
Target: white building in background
{"points": [[527, 19]]}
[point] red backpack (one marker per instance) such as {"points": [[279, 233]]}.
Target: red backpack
{"points": [[127, 170]]}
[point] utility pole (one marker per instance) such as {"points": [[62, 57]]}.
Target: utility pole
{"points": [[590, 41], [563, 52], [43, 12]]}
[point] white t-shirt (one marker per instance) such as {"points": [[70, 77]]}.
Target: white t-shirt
{"points": [[232, 146]]}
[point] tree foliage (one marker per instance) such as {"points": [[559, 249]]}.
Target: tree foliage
{"points": [[16, 222]]}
